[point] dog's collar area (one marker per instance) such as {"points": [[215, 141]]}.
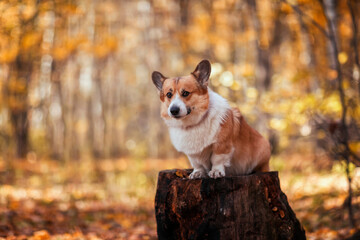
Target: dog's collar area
{"points": [[197, 124]]}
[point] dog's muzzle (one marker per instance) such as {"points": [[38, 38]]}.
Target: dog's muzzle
{"points": [[175, 110]]}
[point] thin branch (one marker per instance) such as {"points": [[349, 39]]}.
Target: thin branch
{"points": [[354, 40], [355, 157], [300, 12], [344, 140], [354, 26]]}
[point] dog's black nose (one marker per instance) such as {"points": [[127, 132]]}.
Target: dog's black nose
{"points": [[174, 110]]}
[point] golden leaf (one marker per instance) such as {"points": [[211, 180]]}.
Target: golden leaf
{"points": [[9, 54], [13, 205], [180, 173], [343, 57], [282, 214], [41, 235], [60, 53], [30, 39], [101, 50]]}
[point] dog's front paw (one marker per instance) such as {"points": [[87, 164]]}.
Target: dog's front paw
{"points": [[197, 174], [216, 173]]}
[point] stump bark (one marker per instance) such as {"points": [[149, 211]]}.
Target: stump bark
{"points": [[229, 208]]}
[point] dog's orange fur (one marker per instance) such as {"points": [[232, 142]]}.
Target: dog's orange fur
{"points": [[236, 146], [235, 132]]}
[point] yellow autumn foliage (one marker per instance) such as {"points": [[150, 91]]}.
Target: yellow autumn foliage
{"points": [[9, 54], [30, 40], [17, 86]]}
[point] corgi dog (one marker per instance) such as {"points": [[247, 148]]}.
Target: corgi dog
{"points": [[215, 137]]}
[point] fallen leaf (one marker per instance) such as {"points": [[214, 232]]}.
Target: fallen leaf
{"points": [[41, 235], [180, 174]]}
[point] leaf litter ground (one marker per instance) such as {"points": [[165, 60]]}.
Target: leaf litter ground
{"points": [[114, 198]]}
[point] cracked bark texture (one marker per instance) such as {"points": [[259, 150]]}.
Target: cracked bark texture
{"points": [[240, 207]]}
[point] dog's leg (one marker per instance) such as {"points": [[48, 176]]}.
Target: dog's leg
{"points": [[264, 167], [219, 162], [199, 171]]}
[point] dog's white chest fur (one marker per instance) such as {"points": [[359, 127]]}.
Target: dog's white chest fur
{"points": [[194, 139]]}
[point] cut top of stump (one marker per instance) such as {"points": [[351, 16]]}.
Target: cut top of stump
{"points": [[238, 207]]}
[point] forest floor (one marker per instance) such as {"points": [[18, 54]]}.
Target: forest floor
{"points": [[114, 199]]}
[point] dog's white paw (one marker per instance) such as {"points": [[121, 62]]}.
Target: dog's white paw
{"points": [[216, 173], [197, 174]]}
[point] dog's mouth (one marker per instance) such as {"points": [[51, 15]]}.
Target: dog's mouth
{"points": [[188, 111]]}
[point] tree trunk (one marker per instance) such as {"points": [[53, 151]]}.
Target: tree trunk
{"points": [[18, 106], [20, 124], [241, 207]]}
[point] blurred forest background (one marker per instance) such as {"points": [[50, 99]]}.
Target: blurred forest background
{"points": [[81, 138]]}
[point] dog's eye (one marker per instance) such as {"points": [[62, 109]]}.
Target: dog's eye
{"points": [[169, 94], [185, 93]]}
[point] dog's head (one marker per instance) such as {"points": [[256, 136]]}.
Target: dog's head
{"points": [[185, 100]]}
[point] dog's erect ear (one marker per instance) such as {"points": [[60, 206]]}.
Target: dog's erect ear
{"points": [[202, 72], [158, 79]]}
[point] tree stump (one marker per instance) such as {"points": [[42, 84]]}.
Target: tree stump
{"points": [[229, 208]]}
